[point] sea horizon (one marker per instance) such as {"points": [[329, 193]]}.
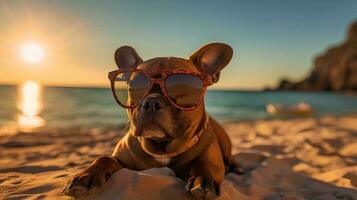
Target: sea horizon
{"points": [[108, 86]]}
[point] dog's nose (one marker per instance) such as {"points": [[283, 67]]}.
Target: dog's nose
{"points": [[152, 103]]}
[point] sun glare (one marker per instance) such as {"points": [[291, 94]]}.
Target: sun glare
{"points": [[32, 53], [30, 105]]}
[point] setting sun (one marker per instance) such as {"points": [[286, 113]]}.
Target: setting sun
{"points": [[32, 53]]}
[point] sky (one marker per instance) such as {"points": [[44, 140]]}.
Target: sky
{"points": [[271, 39]]}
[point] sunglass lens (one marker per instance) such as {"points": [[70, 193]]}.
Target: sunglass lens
{"points": [[130, 87], [184, 89]]}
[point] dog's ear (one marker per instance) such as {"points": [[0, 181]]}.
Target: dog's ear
{"points": [[126, 57], [212, 58]]}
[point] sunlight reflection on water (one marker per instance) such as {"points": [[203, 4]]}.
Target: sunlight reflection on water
{"points": [[30, 104]]}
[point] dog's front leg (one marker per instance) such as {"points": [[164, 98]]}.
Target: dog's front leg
{"points": [[207, 173], [92, 177]]}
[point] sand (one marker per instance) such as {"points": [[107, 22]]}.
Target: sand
{"points": [[295, 159]]}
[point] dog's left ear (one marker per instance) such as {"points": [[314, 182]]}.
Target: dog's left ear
{"points": [[212, 58], [126, 57]]}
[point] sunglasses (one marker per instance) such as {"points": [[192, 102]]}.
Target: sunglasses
{"points": [[183, 88]]}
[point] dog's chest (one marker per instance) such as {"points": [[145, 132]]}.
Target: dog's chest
{"points": [[163, 160]]}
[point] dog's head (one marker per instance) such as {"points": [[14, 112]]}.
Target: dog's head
{"points": [[161, 127]]}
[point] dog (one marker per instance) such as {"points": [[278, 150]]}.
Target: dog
{"points": [[169, 126]]}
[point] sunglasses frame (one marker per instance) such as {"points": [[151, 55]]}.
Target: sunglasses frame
{"points": [[206, 81]]}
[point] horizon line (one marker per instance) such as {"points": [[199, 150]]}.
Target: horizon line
{"points": [[108, 87]]}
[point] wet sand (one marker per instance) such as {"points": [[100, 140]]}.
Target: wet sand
{"points": [[291, 159]]}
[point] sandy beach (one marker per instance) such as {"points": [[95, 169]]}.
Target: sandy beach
{"points": [[291, 159]]}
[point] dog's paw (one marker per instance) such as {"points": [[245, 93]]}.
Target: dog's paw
{"points": [[202, 188], [85, 183]]}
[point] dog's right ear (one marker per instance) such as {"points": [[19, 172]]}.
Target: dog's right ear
{"points": [[212, 58], [126, 57]]}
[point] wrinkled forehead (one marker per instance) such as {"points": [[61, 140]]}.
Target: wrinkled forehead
{"points": [[168, 64]]}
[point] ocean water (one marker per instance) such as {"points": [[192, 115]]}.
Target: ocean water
{"points": [[95, 107]]}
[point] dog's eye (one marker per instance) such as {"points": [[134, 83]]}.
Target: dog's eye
{"points": [[130, 87]]}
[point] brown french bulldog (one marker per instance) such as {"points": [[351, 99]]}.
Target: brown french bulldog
{"points": [[167, 129]]}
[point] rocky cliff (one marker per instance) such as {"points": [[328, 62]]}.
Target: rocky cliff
{"points": [[334, 70]]}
